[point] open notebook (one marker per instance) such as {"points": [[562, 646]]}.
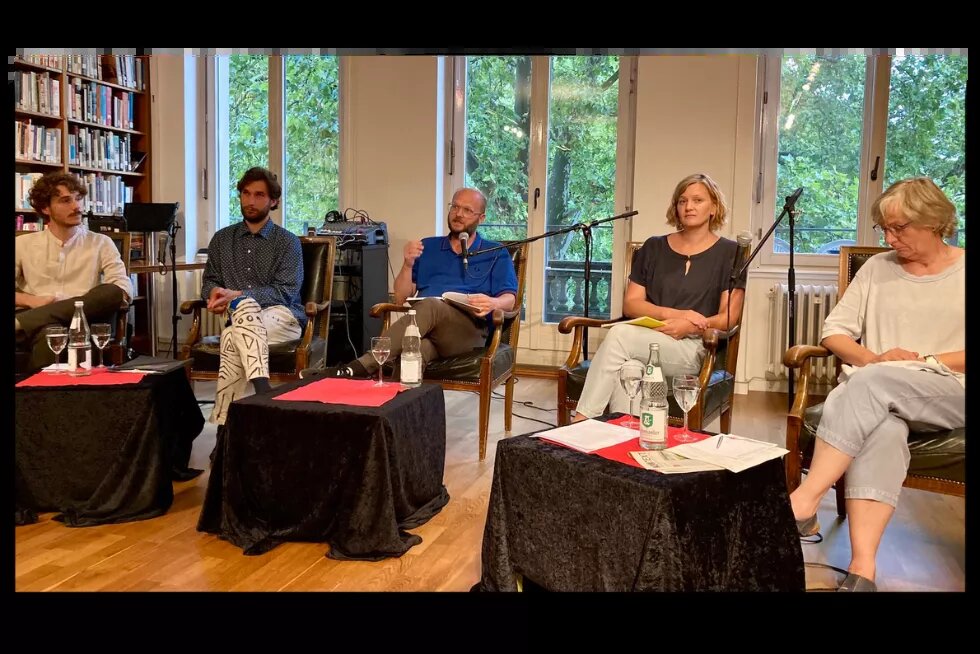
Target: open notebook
{"points": [[458, 300]]}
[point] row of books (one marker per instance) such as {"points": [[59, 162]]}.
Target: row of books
{"points": [[49, 60], [37, 142], [38, 92], [22, 187], [96, 148], [94, 103], [124, 70], [106, 193]]}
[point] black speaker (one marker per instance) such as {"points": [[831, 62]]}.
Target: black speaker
{"points": [[150, 216], [333, 217]]}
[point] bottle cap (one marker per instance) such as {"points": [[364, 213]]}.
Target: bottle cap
{"points": [[79, 303], [411, 312]]}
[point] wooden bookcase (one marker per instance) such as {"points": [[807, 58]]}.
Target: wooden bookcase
{"points": [[113, 130], [103, 101]]}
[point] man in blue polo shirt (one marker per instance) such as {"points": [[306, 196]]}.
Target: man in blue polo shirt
{"points": [[434, 266]]}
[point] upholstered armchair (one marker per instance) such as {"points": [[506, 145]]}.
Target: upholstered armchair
{"points": [[485, 368], [938, 458], [717, 374], [286, 360]]}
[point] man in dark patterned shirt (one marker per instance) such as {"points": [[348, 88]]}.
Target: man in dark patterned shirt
{"points": [[254, 275]]}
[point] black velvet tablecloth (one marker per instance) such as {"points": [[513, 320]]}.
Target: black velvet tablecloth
{"points": [[354, 477], [104, 454], [568, 521]]}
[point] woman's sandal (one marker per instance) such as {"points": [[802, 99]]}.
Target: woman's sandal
{"points": [[854, 583], [808, 526]]}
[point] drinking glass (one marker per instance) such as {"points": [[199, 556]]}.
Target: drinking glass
{"points": [[686, 390], [380, 349], [57, 338], [630, 376], [101, 333]]}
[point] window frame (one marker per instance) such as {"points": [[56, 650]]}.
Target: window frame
{"points": [[536, 334]]}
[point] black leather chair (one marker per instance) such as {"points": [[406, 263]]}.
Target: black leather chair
{"points": [[717, 374], [938, 458], [483, 369], [286, 360]]}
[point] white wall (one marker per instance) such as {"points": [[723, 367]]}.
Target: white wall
{"points": [[175, 145], [395, 138], [696, 114]]}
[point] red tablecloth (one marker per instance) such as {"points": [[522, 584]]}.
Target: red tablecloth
{"points": [[352, 392], [97, 378]]}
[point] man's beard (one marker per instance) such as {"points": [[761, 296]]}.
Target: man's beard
{"points": [[456, 232], [257, 218]]}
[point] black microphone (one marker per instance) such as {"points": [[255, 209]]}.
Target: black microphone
{"points": [[791, 199], [162, 254], [464, 238], [744, 239]]}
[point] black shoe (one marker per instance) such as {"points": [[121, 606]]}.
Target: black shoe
{"points": [[310, 373], [339, 372]]}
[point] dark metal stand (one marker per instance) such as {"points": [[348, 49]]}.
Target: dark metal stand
{"points": [[586, 229], [790, 209]]}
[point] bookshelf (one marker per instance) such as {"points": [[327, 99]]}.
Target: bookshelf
{"points": [[85, 114], [88, 115]]}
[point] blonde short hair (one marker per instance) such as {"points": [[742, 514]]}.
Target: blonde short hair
{"points": [[717, 218], [919, 201]]}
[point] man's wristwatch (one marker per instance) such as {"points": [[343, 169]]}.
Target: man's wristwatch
{"points": [[929, 358]]}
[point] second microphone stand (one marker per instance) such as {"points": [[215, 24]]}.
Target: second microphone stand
{"points": [[586, 229], [788, 209]]}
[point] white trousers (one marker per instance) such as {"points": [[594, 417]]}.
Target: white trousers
{"points": [[631, 342], [245, 349]]}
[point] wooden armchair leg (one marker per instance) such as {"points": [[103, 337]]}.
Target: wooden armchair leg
{"points": [[726, 421], [484, 421], [564, 414], [509, 404], [841, 502]]}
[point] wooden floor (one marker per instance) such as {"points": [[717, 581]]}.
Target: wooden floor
{"points": [[923, 548]]}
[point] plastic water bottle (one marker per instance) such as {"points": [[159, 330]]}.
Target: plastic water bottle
{"points": [[653, 407], [79, 343], [411, 359]]}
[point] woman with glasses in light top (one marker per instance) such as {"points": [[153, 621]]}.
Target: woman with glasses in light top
{"points": [[682, 279], [900, 330]]}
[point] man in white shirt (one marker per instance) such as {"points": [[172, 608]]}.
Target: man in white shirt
{"points": [[61, 264]]}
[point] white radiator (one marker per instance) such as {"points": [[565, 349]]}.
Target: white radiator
{"points": [[813, 304], [211, 324]]}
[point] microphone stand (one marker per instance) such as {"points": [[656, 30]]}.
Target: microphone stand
{"points": [[174, 228], [788, 209], [586, 229]]}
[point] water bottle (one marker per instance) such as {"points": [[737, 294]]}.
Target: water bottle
{"points": [[653, 408], [411, 359], [79, 343]]}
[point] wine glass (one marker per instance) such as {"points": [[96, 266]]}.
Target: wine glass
{"points": [[686, 389], [57, 337], [630, 376], [101, 333], [380, 349]]}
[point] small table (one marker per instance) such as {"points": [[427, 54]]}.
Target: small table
{"points": [[354, 477], [568, 521], [104, 454]]}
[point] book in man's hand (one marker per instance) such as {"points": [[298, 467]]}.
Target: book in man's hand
{"points": [[458, 300], [642, 321]]}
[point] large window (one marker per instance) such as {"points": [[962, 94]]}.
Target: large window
{"points": [[282, 113], [539, 184], [846, 127]]}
